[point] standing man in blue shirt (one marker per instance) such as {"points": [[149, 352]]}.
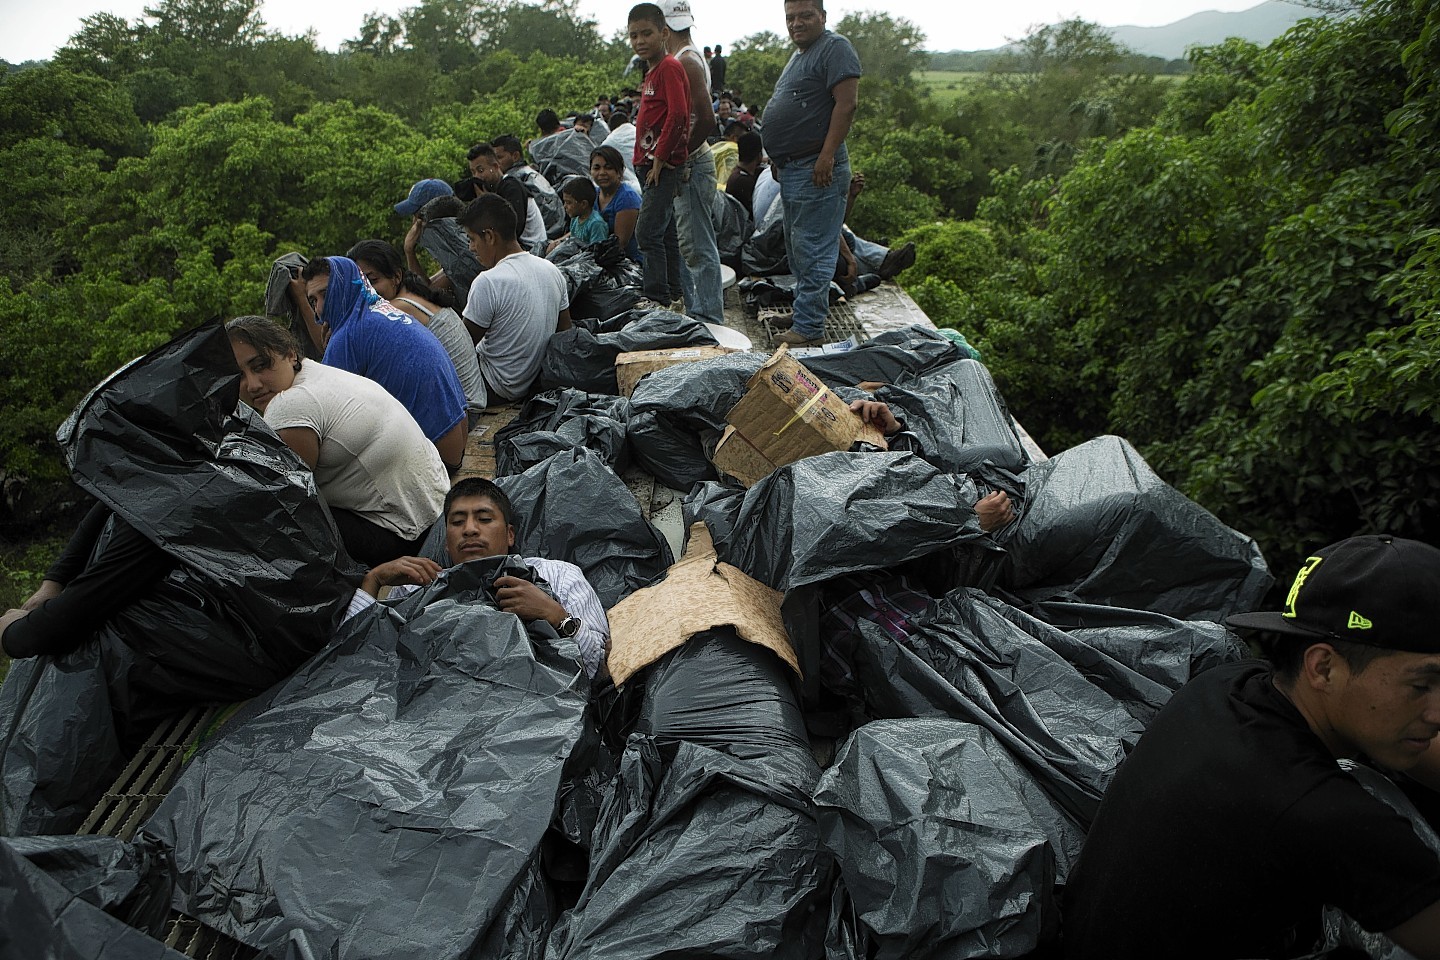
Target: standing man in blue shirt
{"points": [[806, 123]]}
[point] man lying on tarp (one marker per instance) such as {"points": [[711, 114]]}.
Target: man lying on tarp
{"points": [[479, 522], [1230, 824]]}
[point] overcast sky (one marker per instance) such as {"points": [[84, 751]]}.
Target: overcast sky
{"points": [[32, 31]]}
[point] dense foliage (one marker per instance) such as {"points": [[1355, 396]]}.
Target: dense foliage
{"points": [[1246, 288], [1238, 271]]}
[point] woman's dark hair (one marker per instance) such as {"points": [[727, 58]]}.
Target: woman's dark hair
{"points": [[612, 158], [269, 339], [317, 267], [579, 188], [385, 258]]}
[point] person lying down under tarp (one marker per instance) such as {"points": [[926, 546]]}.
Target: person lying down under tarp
{"points": [[209, 570], [480, 522]]}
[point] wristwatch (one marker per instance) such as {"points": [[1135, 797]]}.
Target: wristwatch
{"points": [[569, 626]]}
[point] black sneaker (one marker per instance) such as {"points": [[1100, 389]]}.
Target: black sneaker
{"points": [[896, 261]]}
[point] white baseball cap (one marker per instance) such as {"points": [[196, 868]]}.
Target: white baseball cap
{"points": [[677, 14]]}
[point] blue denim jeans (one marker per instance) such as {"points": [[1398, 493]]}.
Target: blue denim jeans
{"points": [[659, 245], [704, 293], [869, 254], [813, 217]]}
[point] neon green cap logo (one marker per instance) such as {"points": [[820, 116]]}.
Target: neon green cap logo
{"points": [[1357, 622], [1309, 567]]}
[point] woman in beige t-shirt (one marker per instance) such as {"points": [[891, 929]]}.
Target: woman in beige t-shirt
{"points": [[383, 480]]}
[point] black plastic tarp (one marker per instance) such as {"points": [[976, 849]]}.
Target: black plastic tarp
{"points": [[586, 361], [944, 844], [390, 799], [958, 417], [1163, 649], [573, 507], [677, 407], [707, 843], [1100, 527], [837, 513], [833, 514], [1064, 710], [259, 583], [562, 420], [75, 898]]}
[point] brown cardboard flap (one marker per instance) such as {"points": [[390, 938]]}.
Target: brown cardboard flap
{"points": [[786, 414], [697, 594], [630, 367]]}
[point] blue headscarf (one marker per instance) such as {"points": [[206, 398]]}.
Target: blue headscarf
{"points": [[349, 295]]}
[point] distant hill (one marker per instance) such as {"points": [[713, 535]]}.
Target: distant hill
{"points": [[1259, 24]]}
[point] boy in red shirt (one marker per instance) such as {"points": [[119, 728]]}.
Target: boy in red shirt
{"points": [[662, 135]]}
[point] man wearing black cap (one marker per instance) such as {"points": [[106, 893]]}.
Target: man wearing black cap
{"points": [[1230, 824]]}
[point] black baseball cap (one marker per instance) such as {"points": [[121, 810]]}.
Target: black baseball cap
{"points": [[1378, 590]]}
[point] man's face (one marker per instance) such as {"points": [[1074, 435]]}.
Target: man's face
{"points": [[486, 170], [475, 528], [484, 245], [583, 124], [1390, 711], [505, 158], [315, 289], [726, 110], [805, 22], [648, 39]]}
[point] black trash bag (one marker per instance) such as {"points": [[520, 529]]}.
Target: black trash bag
{"points": [[390, 799], [707, 844], [573, 507], [732, 227], [61, 747], [889, 358], [671, 454], [578, 266], [837, 513], [259, 583], [64, 916], [604, 301], [129, 881], [677, 408], [1168, 651], [584, 360], [1067, 712], [562, 420], [776, 290], [945, 845], [831, 515], [958, 417], [1100, 527], [763, 254]]}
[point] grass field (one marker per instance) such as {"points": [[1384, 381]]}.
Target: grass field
{"points": [[946, 86]]}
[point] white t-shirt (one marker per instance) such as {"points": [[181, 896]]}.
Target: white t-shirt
{"points": [[534, 232], [517, 303], [374, 458]]}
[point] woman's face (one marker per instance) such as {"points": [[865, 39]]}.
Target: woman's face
{"points": [[262, 375], [605, 176], [387, 287]]}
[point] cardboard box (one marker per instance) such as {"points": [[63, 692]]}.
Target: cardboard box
{"points": [[630, 367], [698, 594], [787, 414]]}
